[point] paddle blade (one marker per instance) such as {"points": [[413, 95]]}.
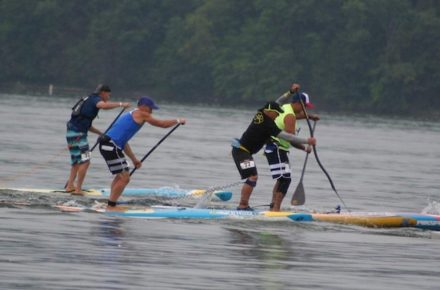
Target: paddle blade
{"points": [[299, 197]]}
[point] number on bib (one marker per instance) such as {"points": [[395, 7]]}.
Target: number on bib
{"points": [[85, 156], [247, 164]]}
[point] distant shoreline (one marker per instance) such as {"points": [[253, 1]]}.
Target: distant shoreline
{"points": [[19, 88]]}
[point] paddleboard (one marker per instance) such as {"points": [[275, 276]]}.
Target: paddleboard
{"points": [[376, 220], [161, 192]]}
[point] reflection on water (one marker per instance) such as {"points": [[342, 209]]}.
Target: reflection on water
{"points": [[262, 246], [270, 251], [110, 231]]}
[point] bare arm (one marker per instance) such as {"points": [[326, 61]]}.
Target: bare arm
{"points": [[296, 140], [285, 98], [130, 154], [290, 123], [142, 116], [301, 115], [94, 130], [111, 105], [290, 127], [306, 148], [165, 123]]}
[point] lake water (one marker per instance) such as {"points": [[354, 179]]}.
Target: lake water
{"points": [[377, 164]]}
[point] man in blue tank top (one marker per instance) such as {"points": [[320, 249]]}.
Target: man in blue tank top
{"points": [[114, 143], [77, 128]]}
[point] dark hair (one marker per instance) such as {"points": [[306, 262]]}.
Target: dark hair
{"points": [[102, 88]]}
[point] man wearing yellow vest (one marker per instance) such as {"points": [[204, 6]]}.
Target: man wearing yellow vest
{"points": [[261, 128], [277, 149]]}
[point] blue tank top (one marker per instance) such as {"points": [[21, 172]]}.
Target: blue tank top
{"points": [[123, 129]]}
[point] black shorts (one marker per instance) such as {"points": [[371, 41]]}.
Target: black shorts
{"points": [[278, 160], [244, 162], [113, 155]]}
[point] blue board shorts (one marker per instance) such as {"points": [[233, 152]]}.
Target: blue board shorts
{"points": [[78, 147]]}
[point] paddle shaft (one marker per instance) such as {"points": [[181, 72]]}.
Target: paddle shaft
{"points": [[316, 155], [117, 117], [298, 197], [155, 146], [307, 157]]}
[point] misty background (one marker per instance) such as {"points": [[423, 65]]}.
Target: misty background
{"points": [[375, 56]]}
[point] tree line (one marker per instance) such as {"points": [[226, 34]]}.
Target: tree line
{"points": [[357, 55]]}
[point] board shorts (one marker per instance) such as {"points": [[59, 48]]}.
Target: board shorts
{"points": [[78, 147], [113, 155], [278, 160], [245, 163]]}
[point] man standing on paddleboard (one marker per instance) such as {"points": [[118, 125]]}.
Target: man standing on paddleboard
{"points": [[277, 149], [114, 143], [83, 114], [253, 139]]}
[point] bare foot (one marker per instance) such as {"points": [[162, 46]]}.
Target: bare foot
{"points": [[117, 208], [81, 193]]}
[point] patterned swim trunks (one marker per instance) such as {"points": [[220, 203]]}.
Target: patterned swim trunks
{"points": [[78, 147]]}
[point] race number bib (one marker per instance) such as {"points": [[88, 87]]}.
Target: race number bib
{"points": [[85, 156], [247, 164]]}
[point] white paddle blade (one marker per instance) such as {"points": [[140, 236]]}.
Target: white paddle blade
{"points": [[299, 197]]}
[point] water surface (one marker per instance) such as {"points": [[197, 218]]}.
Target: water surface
{"points": [[377, 164]]}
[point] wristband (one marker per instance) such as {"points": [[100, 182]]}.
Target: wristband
{"points": [[120, 104], [178, 121]]}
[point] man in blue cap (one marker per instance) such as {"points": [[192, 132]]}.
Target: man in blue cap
{"points": [[114, 143]]}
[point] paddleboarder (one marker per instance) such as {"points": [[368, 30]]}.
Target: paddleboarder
{"points": [[82, 116], [277, 149], [261, 128], [114, 143]]}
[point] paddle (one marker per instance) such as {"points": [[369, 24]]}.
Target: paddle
{"points": [[117, 117], [155, 146], [299, 197], [316, 154]]}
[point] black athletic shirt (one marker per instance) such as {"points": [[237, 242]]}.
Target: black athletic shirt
{"points": [[258, 132]]}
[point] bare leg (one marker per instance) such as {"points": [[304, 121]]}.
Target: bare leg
{"points": [[278, 199], [119, 183], [274, 192], [70, 186], [246, 192], [82, 171]]}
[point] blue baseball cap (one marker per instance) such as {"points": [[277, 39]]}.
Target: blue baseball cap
{"points": [[146, 101]]}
